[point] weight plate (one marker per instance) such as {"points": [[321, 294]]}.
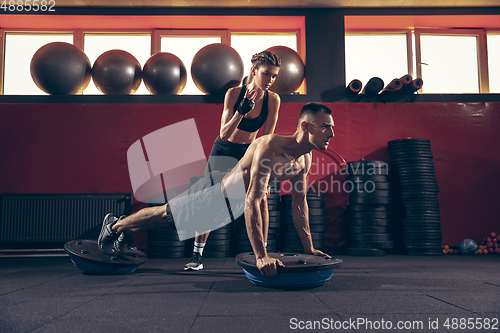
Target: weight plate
{"points": [[370, 200], [366, 208], [373, 244], [402, 153], [166, 243], [275, 213], [368, 215], [316, 212], [352, 251], [310, 204], [241, 236], [411, 183], [317, 220], [370, 193], [219, 237], [290, 244], [365, 178], [416, 205], [244, 248], [367, 230], [410, 159], [409, 141], [275, 200], [416, 215], [162, 238], [216, 248], [369, 222], [274, 225], [371, 186], [274, 219], [224, 230], [370, 237], [293, 235], [426, 222], [273, 208], [418, 149], [421, 234], [422, 228], [218, 242], [420, 187], [425, 161], [164, 231]]}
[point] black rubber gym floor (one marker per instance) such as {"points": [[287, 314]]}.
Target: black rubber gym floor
{"points": [[366, 294]]}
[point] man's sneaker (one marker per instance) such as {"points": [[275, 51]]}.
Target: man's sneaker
{"points": [[195, 263], [122, 245], [107, 237]]}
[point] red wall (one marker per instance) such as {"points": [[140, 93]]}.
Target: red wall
{"points": [[81, 148]]}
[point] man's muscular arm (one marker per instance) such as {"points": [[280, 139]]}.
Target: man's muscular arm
{"points": [[260, 172], [300, 209]]}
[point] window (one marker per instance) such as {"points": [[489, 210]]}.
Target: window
{"points": [[494, 62], [448, 62], [137, 45], [185, 48], [375, 54], [19, 49]]}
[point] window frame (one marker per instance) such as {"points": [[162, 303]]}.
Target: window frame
{"points": [[379, 32], [156, 35], [3, 41], [493, 32], [482, 52]]}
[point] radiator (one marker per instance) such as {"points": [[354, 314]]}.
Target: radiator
{"points": [[56, 217]]}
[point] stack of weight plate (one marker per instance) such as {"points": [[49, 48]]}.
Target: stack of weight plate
{"points": [[317, 223], [368, 210], [218, 243], [242, 242], [274, 207], [411, 160], [165, 243]]}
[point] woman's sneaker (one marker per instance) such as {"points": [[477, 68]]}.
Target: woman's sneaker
{"points": [[107, 237], [195, 263]]}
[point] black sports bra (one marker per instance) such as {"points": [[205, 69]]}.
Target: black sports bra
{"points": [[254, 124]]}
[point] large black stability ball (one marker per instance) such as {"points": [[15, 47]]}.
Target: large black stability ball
{"points": [[117, 72], [164, 73], [216, 68], [292, 70], [60, 69]]}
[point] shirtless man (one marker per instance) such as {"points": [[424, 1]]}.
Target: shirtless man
{"points": [[268, 158]]}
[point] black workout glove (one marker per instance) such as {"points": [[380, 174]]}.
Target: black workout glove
{"points": [[246, 105]]}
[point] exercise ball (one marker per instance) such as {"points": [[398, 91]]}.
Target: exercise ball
{"points": [[292, 70], [164, 73], [60, 69], [216, 68], [468, 246], [117, 72]]}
